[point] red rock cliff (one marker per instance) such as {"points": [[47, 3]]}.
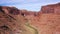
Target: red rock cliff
{"points": [[46, 21]]}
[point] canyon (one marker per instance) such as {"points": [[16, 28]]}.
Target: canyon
{"points": [[45, 21]]}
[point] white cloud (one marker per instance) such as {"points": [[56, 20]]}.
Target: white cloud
{"points": [[29, 6]]}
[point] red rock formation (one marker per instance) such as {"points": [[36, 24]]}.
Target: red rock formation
{"points": [[46, 21], [54, 8]]}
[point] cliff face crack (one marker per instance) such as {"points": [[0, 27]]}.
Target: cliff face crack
{"points": [[4, 27], [11, 17], [1, 9], [5, 30]]}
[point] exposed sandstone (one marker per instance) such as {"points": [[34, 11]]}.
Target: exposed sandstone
{"points": [[46, 21]]}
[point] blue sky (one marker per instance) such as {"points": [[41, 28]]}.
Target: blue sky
{"points": [[33, 5]]}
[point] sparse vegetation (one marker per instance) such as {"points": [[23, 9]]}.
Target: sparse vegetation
{"points": [[30, 28]]}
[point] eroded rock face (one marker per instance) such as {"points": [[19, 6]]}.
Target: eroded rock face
{"points": [[13, 20], [10, 20], [49, 19]]}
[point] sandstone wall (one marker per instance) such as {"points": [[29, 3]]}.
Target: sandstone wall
{"points": [[46, 21]]}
